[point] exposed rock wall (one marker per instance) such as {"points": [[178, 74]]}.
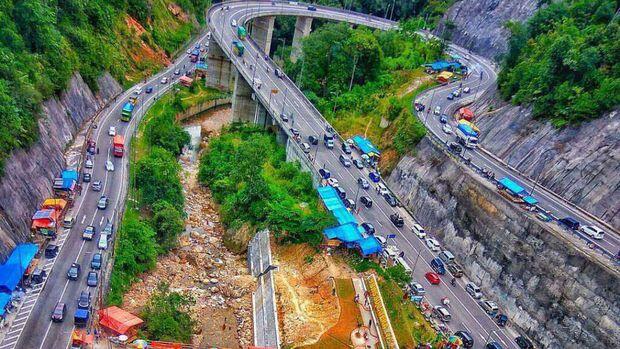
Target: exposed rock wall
{"points": [[556, 293], [480, 23], [29, 173]]}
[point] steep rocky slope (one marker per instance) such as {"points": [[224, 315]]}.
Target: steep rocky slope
{"points": [[479, 24], [558, 294], [29, 173]]}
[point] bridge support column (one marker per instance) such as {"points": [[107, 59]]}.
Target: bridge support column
{"points": [[303, 25], [262, 30], [244, 107], [218, 67]]}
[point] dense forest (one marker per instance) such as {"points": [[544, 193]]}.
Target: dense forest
{"points": [[42, 43], [565, 61]]}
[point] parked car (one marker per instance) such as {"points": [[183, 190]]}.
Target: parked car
{"points": [[450, 96], [96, 186], [455, 270], [489, 307], [433, 278], [84, 300], [473, 290], [501, 319], [74, 271], [346, 148], [95, 262], [93, 279], [391, 200], [593, 231], [108, 229], [344, 161], [341, 192], [466, 338], [88, 233], [432, 244], [493, 345], [103, 242], [51, 250], [102, 204], [88, 163], [278, 73], [397, 220], [350, 203], [58, 314], [333, 182], [369, 228], [417, 289], [366, 201], [381, 239], [363, 183], [446, 256], [438, 266], [68, 221], [418, 231], [524, 343], [570, 223], [374, 176], [543, 217], [294, 131], [305, 147], [442, 313], [455, 147]]}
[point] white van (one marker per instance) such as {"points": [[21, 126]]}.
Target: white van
{"points": [[593, 231], [382, 189], [68, 221], [446, 256], [402, 262], [103, 242], [442, 313]]}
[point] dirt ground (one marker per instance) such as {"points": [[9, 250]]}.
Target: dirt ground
{"points": [[307, 304]]}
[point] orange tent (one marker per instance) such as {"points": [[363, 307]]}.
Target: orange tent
{"points": [[56, 204], [80, 339], [119, 321]]}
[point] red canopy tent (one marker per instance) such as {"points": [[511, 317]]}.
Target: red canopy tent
{"points": [[119, 321], [466, 113], [46, 219]]}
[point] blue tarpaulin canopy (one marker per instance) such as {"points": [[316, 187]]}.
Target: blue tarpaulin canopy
{"points": [[443, 65], [343, 216], [5, 298], [17, 263], [344, 233], [70, 174], [330, 198], [530, 200], [369, 245], [366, 146], [511, 186]]}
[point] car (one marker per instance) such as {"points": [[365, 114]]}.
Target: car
{"points": [[95, 262], [593, 231], [96, 186], [325, 174], [501, 320], [433, 278], [437, 110], [89, 232], [51, 250], [84, 300], [443, 118], [447, 129], [346, 148], [466, 89], [149, 89], [294, 131], [450, 96], [311, 8], [455, 270], [314, 140], [341, 192], [397, 220], [524, 343], [418, 231], [570, 223], [284, 117], [112, 131], [344, 161], [103, 242], [466, 338], [91, 147], [177, 72], [258, 83], [366, 201], [164, 80], [369, 228], [86, 177], [88, 163], [417, 289], [489, 307], [473, 290], [363, 183], [58, 314], [278, 73], [233, 23], [493, 345], [438, 266], [350, 203], [189, 51], [432, 244], [68, 221], [102, 204], [333, 182], [446, 256], [456, 93], [543, 217], [374, 176], [74, 271], [93, 279], [382, 189], [305, 147], [391, 200], [442, 313], [381, 239], [109, 166], [358, 163], [108, 229], [455, 147]]}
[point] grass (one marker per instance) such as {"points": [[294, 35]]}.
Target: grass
{"points": [[408, 323], [339, 336], [201, 95]]}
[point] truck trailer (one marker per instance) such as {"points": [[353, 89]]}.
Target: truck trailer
{"points": [[127, 111], [466, 136], [118, 146], [238, 48]]}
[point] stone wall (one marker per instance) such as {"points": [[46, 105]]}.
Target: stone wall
{"points": [[560, 295], [29, 172]]}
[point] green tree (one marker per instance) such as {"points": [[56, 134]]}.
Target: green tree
{"points": [[165, 132], [168, 224], [167, 315], [157, 178], [409, 132]]}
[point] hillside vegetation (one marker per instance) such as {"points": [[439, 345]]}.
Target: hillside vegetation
{"points": [[565, 61], [42, 43]]}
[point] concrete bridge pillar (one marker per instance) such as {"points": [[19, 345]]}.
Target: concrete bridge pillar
{"points": [[218, 68], [262, 30], [244, 105], [303, 25]]}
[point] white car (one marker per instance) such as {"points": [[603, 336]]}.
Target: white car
{"points": [[593, 231], [164, 80], [418, 231], [305, 147], [466, 90], [137, 91], [88, 163], [417, 289], [258, 83], [381, 239], [382, 189], [473, 290], [437, 110], [447, 129], [233, 23], [432, 244], [103, 242], [109, 166], [112, 131], [332, 181], [189, 51]]}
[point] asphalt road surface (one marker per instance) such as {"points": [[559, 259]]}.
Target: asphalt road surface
{"points": [[39, 332]]}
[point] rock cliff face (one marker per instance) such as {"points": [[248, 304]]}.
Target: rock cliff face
{"points": [[29, 173], [479, 24], [553, 291]]}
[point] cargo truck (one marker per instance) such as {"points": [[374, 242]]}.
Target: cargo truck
{"points": [[118, 146], [193, 57], [241, 32], [127, 111], [238, 48], [466, 136]]}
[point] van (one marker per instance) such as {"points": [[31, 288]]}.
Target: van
{"points": [[382, 189], [103, 242], [446, 256], [438, 266], [341, 192], [442, 313], [570, 222], [402, 262], [68, 221]]}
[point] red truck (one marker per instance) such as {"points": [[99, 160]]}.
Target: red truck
{"points": [[118, 146]]}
